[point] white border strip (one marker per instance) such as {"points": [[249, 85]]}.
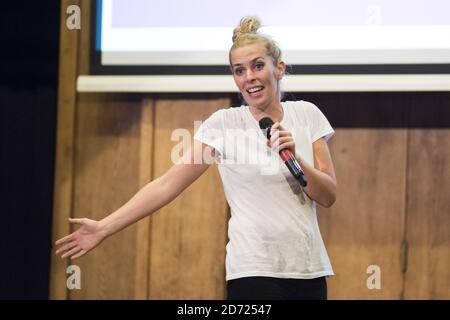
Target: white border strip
{"points": [[291, 83], [305, 57]]}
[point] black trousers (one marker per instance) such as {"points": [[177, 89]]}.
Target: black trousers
{"points": [[268, 288]]}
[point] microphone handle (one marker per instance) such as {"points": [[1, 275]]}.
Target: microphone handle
{"points": [[293, 166], [290, 161]]}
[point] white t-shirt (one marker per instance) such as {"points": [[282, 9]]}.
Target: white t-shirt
{"points": [[273, 229]]}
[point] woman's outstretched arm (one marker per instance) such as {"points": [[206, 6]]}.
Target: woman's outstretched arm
{"points": [[147, 200]]}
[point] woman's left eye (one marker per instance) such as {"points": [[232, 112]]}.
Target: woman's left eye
{"points": [[259, 66]]}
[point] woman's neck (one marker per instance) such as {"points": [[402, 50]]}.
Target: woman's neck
{"points": [[274, 111]]}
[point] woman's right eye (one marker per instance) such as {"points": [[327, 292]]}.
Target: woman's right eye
{"points": [[238, 71]]}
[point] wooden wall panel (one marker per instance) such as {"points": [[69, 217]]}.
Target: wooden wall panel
{"points": [[113, 143], [64, 171], [428, 221], [189, 235], [85, 38], [145, 176], [365, 225]]}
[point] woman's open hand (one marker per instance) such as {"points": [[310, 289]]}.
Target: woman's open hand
{"points": [[87, 237]]}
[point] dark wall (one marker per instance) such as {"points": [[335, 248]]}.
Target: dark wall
{"points": [[425, 110], [28, 93]]}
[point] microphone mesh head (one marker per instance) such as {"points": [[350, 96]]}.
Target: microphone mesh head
{"points": [[265, 123]]}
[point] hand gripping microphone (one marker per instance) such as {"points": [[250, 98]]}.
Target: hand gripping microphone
{"points": [[289, 160]]}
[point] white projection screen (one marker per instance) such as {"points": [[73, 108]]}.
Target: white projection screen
{"points": [[317, 37]]}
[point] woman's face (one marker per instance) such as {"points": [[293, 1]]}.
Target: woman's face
{"points": [[256, 76]]}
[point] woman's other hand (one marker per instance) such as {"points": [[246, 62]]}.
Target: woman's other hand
{"points": [[87, 237]]}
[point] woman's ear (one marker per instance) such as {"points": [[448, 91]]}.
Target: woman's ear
{"points": [[281, 70]]}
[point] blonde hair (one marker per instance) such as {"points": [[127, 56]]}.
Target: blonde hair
{"points": [[247, 33]]}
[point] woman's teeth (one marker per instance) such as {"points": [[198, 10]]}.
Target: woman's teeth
{"points": [[255, 89]]}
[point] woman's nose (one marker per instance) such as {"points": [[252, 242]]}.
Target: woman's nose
{"points": [[250, 76]]}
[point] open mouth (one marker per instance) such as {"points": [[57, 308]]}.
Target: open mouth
{"points": [[254, 90]]}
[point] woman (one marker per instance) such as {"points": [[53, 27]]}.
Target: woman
{"points": [[275, 250]]}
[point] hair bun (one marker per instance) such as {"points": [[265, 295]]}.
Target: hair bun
{"points": [[248, 24]]}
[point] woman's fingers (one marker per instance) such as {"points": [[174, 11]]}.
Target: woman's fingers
{"points": [[71, 252], [279, 133], [281, 143], [76, 220], [79, 254], [275, 126], [274, 136], [66, 247], [285, 139], [65, 239], [70, 236], [283, 133], [280, 139], [287, 145]]}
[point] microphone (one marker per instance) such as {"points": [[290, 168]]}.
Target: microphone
{"points": [[285, 154]]}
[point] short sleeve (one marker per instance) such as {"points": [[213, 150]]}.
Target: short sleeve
{"points": [[318, 123], [211, 131]]}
